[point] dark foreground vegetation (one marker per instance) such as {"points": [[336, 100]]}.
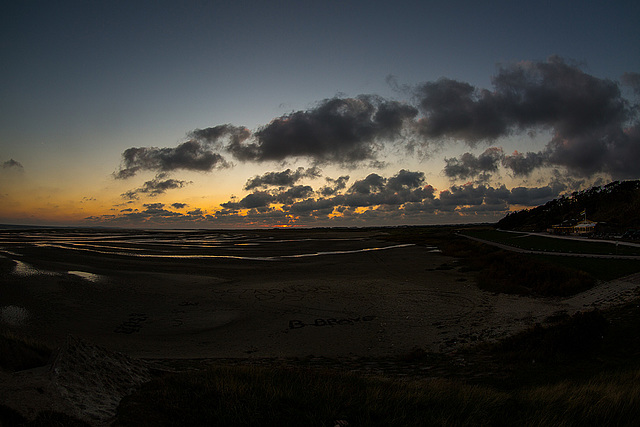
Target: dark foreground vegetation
{"points": [[542, 243], [249, 396], [503, 271], [545, 275], [573, 371]]}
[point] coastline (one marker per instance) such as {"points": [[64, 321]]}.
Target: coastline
{"points": [[348, 308], [347, 302]]}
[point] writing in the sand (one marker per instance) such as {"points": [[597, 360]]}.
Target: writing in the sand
{"points": [[131, 325], [297, 324]]}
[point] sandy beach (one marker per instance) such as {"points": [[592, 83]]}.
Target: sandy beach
{"points": [[272, 294], [111, 304]]}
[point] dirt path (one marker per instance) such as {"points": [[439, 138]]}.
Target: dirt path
{"points": [[530, 251]]}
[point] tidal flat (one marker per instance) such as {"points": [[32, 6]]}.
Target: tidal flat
{"points": [[113, 327], [260, 293]]}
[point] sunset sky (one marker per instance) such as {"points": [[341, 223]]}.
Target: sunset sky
{"points": [[197, 114]]}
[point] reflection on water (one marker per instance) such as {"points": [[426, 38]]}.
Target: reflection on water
{"points": [[24, 269], [240, 257], [13, 315], [355, 251], [249, 246], [87, 276]]}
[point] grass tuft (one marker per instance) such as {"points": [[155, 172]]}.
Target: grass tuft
{"points": [[251, 396]]}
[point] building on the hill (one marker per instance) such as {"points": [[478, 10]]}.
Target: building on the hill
{"points": [[560, 229], [582, 228]]}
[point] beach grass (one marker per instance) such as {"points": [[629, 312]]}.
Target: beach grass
{"points": [[252, 396], [502, 271], [576, 370], [581, 370], [599, 268], [514, 273], [551, 244]]}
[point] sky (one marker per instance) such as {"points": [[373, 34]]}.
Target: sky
{"points": [[207, 114]]}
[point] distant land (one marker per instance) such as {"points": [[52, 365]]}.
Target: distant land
{"points": [[614, 206]]}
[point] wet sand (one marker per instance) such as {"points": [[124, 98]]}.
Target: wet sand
{"points": [[350, 302]]}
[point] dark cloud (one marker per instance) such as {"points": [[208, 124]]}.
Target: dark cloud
{"points": [[403, 187], [594, 128], [372, 183], [156, 210], [285, 178], [457, 110], [523, 164], [198, 153], [403, 198], [13, 164], [190, 155], [341, 130], [320, 206], [258, 199], [587, 115], [153, 206], [468, 165], [462, 195], [534, 196], [405, 180], [615, 151], [374, 190], [179, 205], [391, 117], [472, 198], [216, 136], [263, 199], [557, 94], [294, 193], [130, 195], [152, 214], [334, 185], [158, 185], [195, 213]]}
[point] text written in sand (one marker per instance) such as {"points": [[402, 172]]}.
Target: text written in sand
{"points": [[297, 324]]}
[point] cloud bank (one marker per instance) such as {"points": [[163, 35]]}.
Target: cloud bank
{"points": [[285, 178], [197, 153], [592, 128], [158, 185], [403, 198]]}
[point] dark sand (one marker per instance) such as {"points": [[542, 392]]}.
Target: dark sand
{"points": [[99, 308], [372, 303]]}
